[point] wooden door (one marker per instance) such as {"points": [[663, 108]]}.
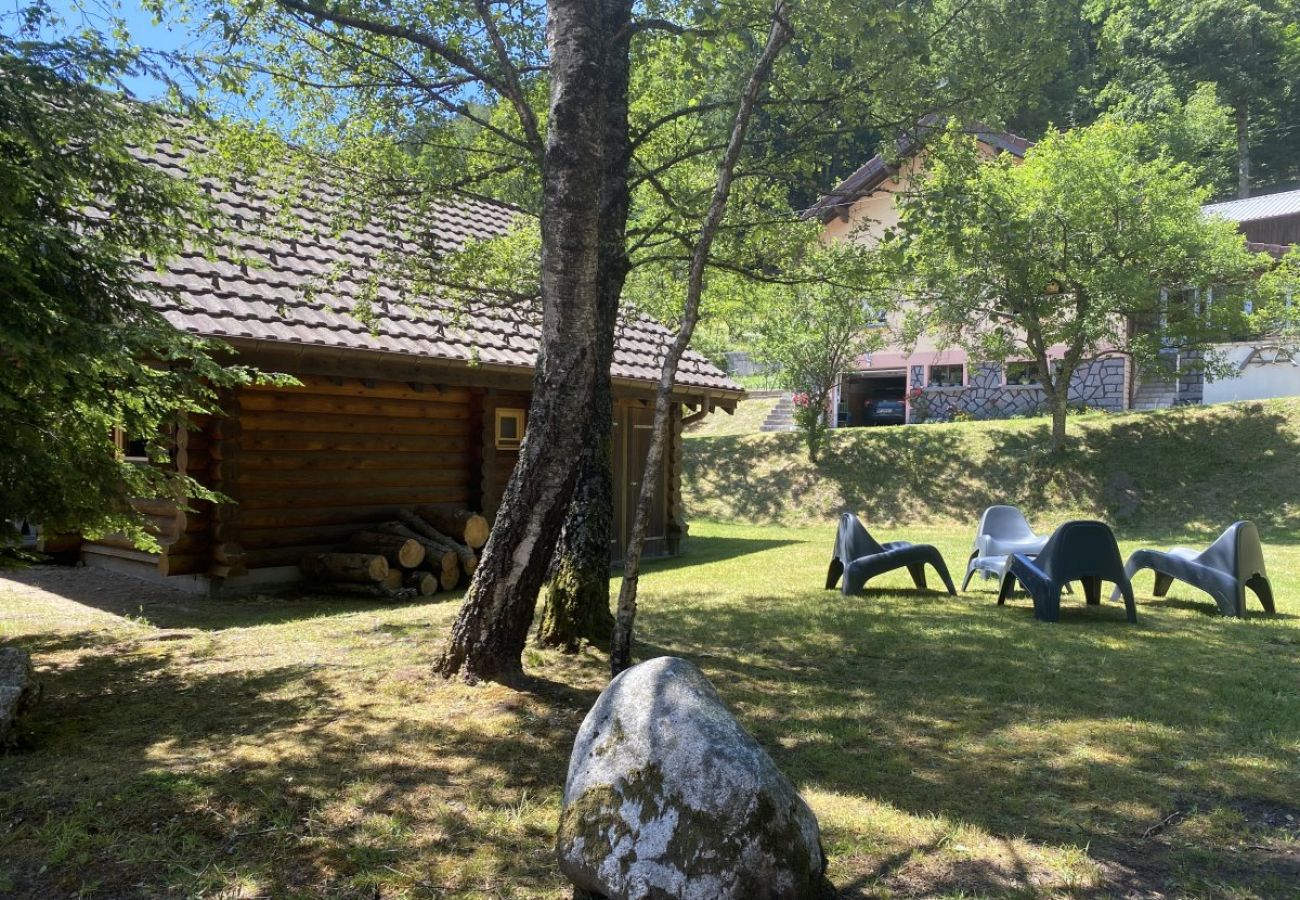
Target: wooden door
{"points": [[639, 428]]}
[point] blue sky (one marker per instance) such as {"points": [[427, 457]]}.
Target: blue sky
{"points": [[172, 34], [101, 15]]}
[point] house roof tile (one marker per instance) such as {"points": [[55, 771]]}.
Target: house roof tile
{"points": [[874, 172], [307, 285]]}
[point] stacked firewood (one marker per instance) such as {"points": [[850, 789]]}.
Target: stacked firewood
{"points": [[426, 549]]}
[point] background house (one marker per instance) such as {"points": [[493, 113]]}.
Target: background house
{"points": [[421, 404], [937, 383], [1265, 367]]}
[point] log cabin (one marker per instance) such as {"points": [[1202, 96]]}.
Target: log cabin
{"points": [[417, 404]]}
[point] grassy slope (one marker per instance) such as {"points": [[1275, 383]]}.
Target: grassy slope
{"points": [[747, 418], [1191, 470]]}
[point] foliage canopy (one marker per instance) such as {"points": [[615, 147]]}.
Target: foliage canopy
{"points": [[1080, 249], [82, 354]]}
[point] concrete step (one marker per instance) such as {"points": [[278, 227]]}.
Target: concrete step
{"points": [[781, 417]]}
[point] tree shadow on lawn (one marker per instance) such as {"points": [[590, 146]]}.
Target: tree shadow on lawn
{"points": [[1080, 734], [164, 606], [142, 778], [1182, 472], [697, 551]]}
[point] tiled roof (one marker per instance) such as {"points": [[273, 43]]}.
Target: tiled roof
{"points": [[874, 172], [301, 285], [1266, 206]]}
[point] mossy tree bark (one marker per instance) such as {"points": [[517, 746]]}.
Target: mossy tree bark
{"points": [[577, 604], [577, 598]]}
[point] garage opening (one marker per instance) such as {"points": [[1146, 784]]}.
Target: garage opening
{"points": [[873, 398]]}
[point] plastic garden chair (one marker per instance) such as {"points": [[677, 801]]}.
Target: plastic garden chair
{"points": [[1234, 562], [1002, 531], [1077, 551], [859, 558]]}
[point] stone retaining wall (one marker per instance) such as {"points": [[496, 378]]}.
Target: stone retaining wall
{"points": [[1098, 384]]}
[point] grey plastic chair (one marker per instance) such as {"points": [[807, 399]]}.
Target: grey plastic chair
{"points": [[859, 558], [1080, 551], [1002, 531], [1234, 562]]}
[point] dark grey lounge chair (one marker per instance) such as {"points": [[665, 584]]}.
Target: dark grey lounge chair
{"points": [[1234, 562], [859, 558], [1077, 551], [1002, 531]]}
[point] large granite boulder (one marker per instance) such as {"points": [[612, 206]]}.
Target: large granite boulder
{"points": [[18, 691], [669, 797]]}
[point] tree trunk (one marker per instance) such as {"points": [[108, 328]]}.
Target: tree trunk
{"points": [[577, 601], [1058, 423], [488, 637], [577, 597], [1243, 149], [778, 37]]}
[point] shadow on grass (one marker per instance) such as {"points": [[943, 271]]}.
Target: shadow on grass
{"points": [[1079, 734], [703, 550], [1189, 471], [135, 780], [163, 606]]}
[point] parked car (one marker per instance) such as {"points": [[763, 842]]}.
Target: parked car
{"points": [[885, 412]]}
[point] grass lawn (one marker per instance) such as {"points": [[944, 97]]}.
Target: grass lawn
{"points": [[948, 746]]}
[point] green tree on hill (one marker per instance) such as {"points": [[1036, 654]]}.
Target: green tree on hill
{"points": [[1080, 249]]}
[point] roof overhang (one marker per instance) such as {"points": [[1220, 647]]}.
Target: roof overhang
{"points": [[311, 359]]}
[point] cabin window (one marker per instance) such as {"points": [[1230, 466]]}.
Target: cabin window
{"points": [[947, 376], [1023, 373], [510, 429], [132, 449]]}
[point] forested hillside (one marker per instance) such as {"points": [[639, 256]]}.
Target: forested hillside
{"points": [[1219, 79]]}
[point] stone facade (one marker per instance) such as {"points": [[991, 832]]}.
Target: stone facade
{"points": [[1191, 379], [1098, 384]]}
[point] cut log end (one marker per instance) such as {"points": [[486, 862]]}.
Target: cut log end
{"points": [[469, 528], [360, 568], [423, 583], [398, 550]]}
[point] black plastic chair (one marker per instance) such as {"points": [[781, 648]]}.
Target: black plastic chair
{"points": [[1234, 562], [859, 558], [1077, 551]]}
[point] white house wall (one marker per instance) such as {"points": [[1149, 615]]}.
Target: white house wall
{"points": [[1256, 381]]}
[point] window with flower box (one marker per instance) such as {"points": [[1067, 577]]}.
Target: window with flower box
{"points": [[947, 376], [1023, 373]]}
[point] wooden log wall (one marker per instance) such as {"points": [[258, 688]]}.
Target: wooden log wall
{"points": [[321, 461], [183, 533], [497, 464]]}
